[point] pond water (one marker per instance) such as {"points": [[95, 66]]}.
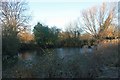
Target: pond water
{"points": [[59, 52], [47, 63]]}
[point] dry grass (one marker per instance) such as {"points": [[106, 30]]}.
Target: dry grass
{"points": [[107, 56]]}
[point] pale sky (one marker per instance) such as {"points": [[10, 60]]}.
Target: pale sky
{"points": [[59, 12]]}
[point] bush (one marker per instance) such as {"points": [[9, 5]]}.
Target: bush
{"points": [[10, 46]]}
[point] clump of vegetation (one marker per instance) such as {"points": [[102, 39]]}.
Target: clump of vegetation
{"points": [[45, 36], [10, 41]]}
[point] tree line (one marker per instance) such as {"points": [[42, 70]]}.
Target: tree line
{"points": [[53, 37], [100, 22]]}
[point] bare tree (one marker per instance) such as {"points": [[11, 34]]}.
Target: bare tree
{"points": [[13, 13], [73, 30], [96, 20], [106, 16], [89, 20], [13, 18]]}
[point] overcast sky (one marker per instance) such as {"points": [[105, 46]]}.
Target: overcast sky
{"points": [[59, 12]]}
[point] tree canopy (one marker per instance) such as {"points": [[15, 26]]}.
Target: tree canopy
{"points": [[45, 36]]}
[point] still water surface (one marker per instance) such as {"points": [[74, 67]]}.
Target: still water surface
{"points": [[49, 62], [59, 52]]}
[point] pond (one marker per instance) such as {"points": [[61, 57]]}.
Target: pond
{"points": [[57, 62], [59, 52]]}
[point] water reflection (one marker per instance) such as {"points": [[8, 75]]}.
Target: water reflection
{"points": [[68, 52], [26, 55], [26, 59], [86, 50], [30, 58], [60, 52]]}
